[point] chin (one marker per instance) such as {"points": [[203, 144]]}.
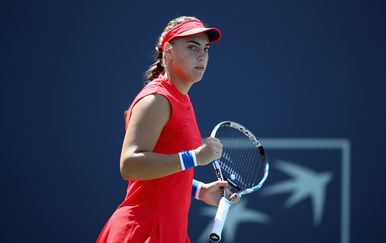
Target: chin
{"points": [[197, 78]]}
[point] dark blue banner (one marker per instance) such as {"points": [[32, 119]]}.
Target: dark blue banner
{"points": [[307, 77]]}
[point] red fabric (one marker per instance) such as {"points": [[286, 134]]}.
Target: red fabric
{"points": [[191, 27], [157, 210]]}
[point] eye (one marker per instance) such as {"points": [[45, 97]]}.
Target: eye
{"points": [[192, 47], [206, 49]]}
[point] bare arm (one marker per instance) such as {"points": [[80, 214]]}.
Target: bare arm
{"points": [[138, 161]]}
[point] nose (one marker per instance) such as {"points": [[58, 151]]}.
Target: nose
{"points": [[202, 55]]}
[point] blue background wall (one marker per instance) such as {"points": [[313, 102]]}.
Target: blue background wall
{"points": [[284, 69]]}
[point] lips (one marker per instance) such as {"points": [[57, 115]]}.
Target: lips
{"points": [[200, 68]]}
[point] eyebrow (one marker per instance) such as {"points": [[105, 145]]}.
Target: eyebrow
{"points": [[197, 43]]}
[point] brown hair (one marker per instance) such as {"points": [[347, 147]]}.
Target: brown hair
{"points": [[157, 67]]}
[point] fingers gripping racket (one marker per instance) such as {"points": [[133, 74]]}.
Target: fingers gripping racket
{"points": [[243, 164]]}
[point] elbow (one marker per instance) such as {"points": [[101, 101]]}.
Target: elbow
{"points": [[124, 174], [128, 168], [125, 169]]}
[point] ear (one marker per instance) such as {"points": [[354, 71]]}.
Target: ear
{"points": [[168, 51]]}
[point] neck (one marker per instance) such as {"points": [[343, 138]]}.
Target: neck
{"points": [[182, 86]]}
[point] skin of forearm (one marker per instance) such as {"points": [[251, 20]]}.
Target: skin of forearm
{"points": [[148, 165]]}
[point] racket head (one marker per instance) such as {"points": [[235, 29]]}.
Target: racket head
{"points": [[244, 163]]}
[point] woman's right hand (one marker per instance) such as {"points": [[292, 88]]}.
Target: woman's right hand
{"points": [[210, 149]]}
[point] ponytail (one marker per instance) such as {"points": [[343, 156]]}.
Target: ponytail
{"points": [[156, 69]]}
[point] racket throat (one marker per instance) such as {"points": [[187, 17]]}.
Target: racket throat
{"points": [[233, 185]]}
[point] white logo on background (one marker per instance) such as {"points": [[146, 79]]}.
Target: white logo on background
{"points": [[304, 183]]}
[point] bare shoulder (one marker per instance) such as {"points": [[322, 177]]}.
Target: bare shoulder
{"points": [[153, 102], [154, 108], [147, 120]]}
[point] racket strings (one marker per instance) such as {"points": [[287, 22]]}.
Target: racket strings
{"points": [[228, 165], [244, 167], [249, 163], [240, 160]]}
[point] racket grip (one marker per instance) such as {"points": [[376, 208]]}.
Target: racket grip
{"points": [[219, 220]]}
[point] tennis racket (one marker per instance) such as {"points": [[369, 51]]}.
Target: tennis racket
{"points": [[243, 164]]}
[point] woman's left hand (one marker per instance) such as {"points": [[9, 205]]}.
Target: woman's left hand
{"points": [[210, 193]]}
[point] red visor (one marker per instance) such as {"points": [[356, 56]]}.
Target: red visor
{"points": [[191, 27]]}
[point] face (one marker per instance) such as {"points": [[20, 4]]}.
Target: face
{"points": [[188, 57]]}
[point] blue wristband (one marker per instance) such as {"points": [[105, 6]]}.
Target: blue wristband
{"points": [[196, 187], [187, 159]]}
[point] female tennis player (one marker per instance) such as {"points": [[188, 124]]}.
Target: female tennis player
{"points": [[163, 143]]}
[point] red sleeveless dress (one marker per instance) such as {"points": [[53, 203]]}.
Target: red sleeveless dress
{"points": [[156, 210]]}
